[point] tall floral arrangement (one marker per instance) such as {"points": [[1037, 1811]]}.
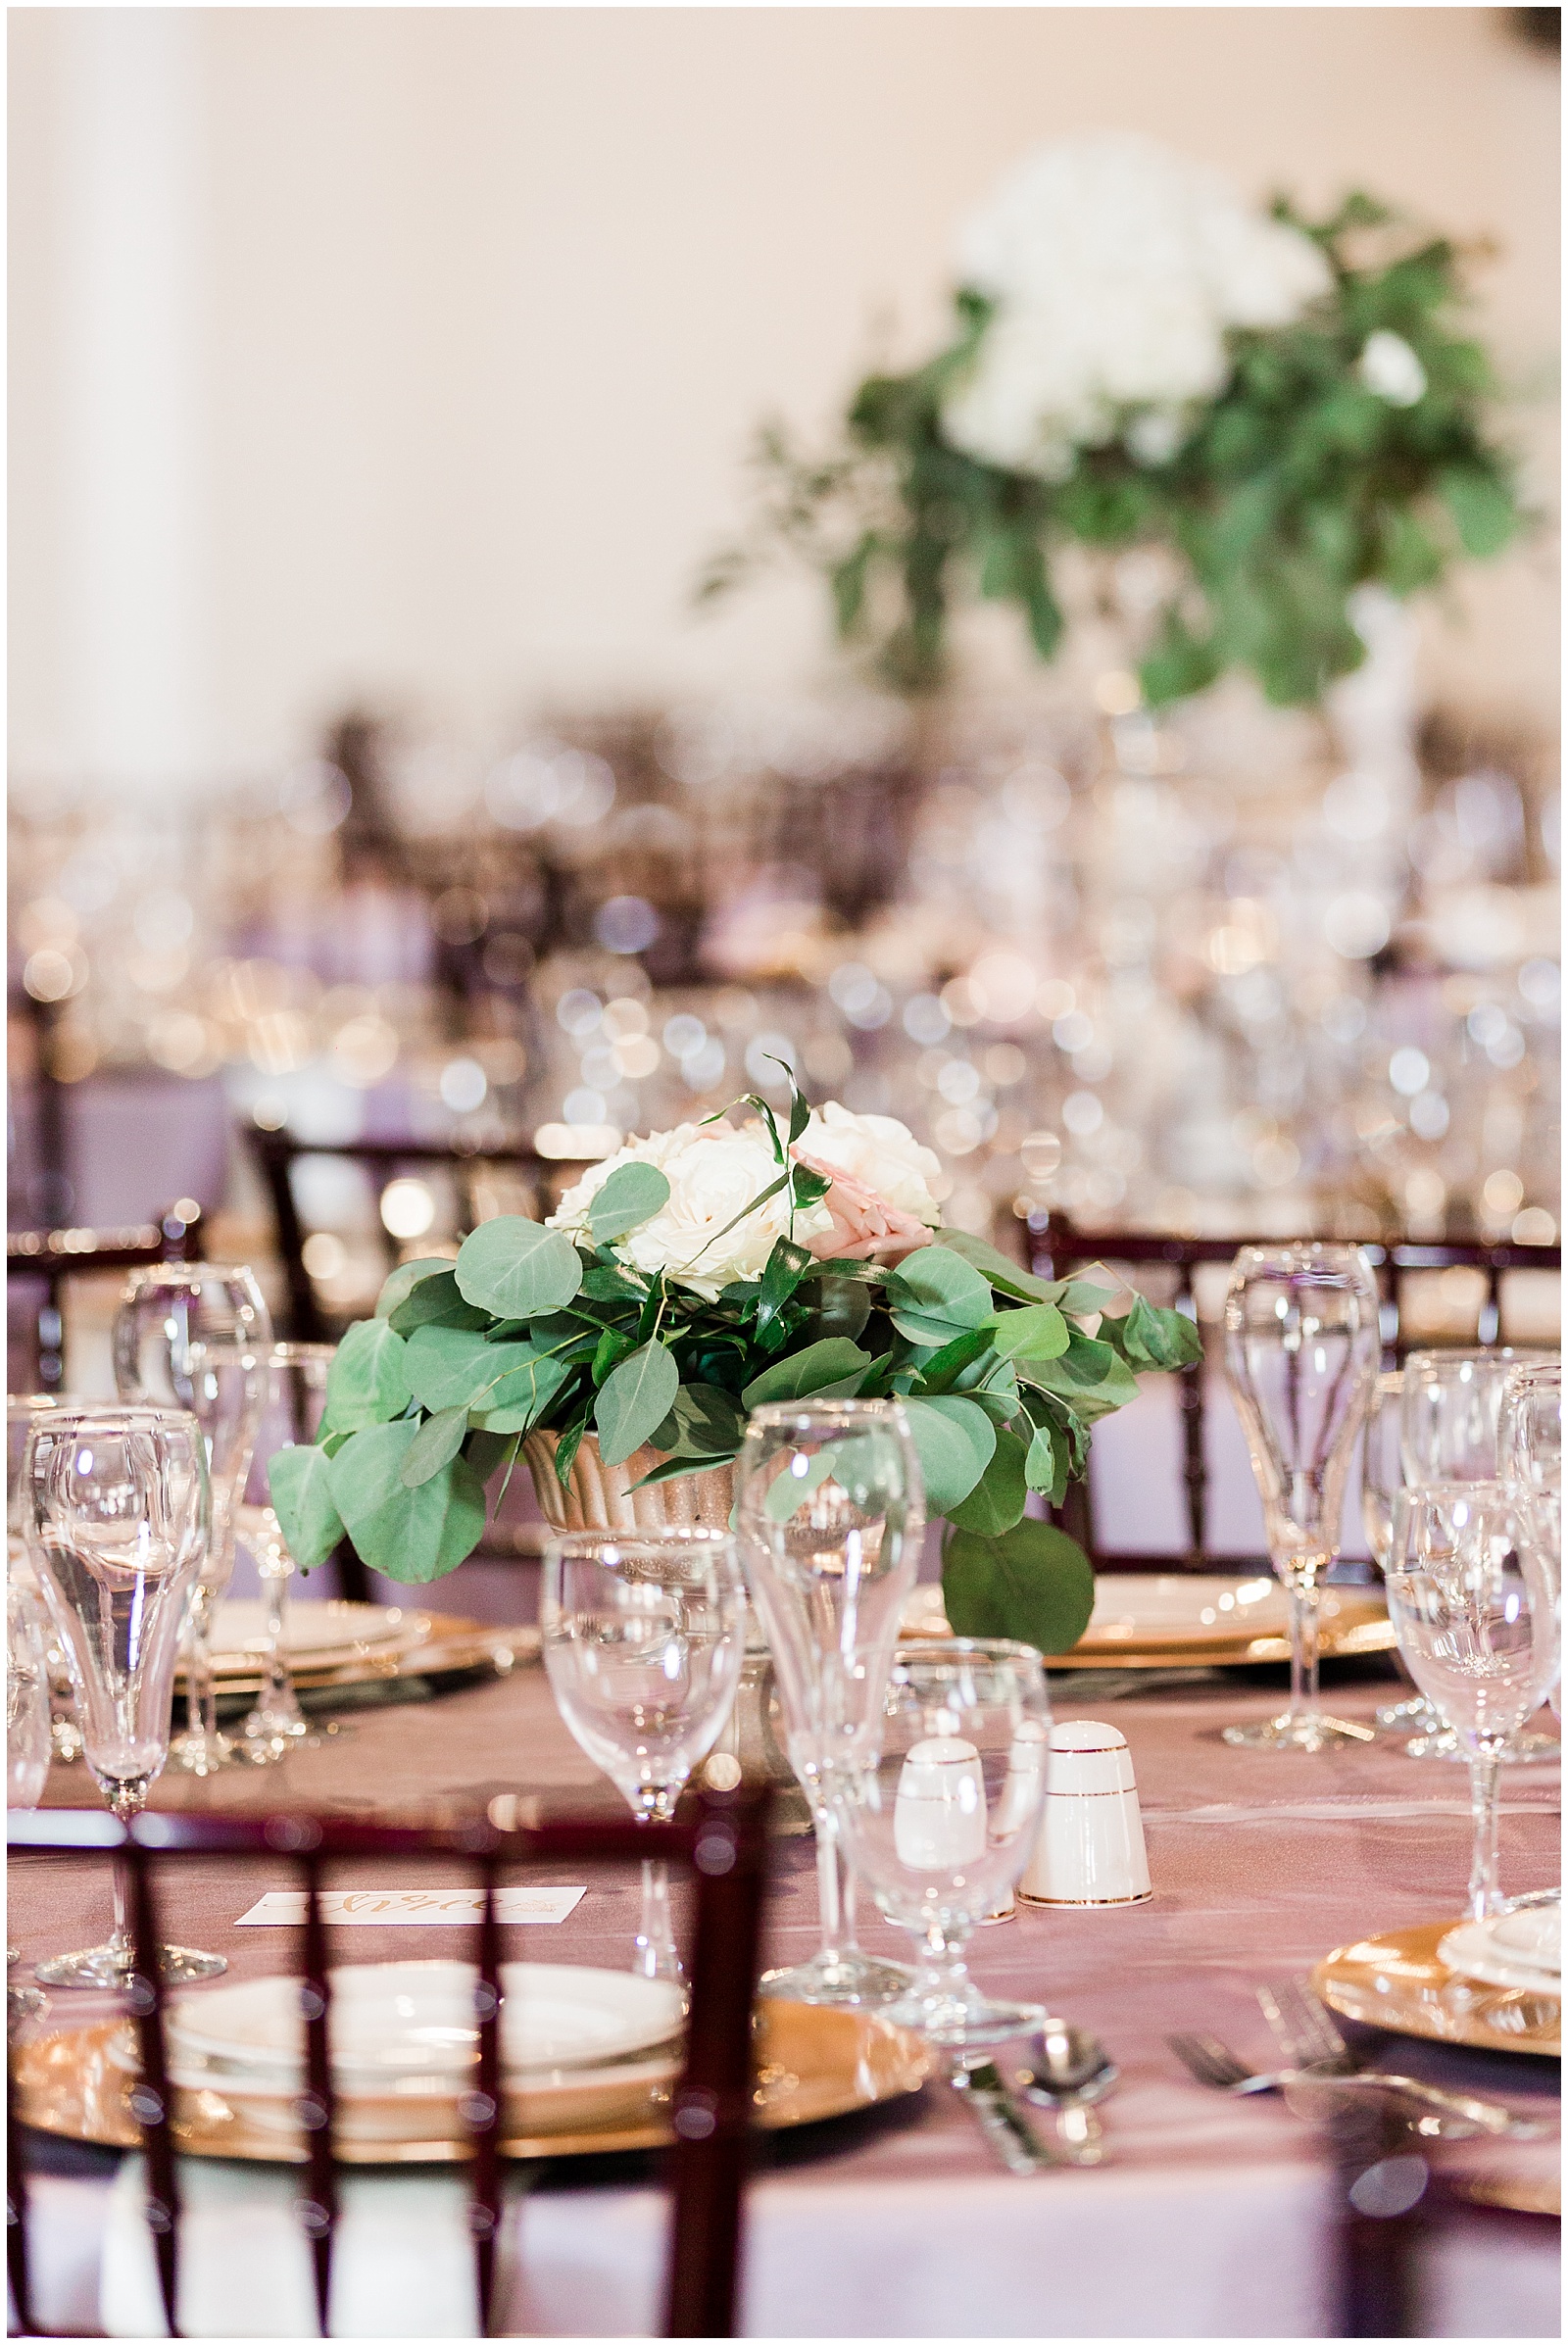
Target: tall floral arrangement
{"points": [[1287, 406], [688, 1279]]}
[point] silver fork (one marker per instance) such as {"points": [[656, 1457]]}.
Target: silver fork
{"points": [[1216, 2064], [1303, 2028]]}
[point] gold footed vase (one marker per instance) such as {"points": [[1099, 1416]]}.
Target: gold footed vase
{"points": [[601, 1497]]}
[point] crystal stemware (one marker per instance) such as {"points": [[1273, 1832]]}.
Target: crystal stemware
{"points": [[940, 1822], [1476, 1621], [22, 1410], [1382, 1479], [117, 1521], [644, 1633], [297, 1375], [196, 1336], [830, 1510], [1302, 1353], [27, 1743], [1530, 1459]]}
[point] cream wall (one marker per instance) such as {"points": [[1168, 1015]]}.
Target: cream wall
{"points": [[414, 351]]}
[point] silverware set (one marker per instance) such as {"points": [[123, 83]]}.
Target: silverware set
{"points": [[1064, 2070], [1321, 2073]]}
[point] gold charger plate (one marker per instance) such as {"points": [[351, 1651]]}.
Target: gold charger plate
{"points": [[1396, 1981], [1351, 1621], [448, 1642], [813, 2063]]}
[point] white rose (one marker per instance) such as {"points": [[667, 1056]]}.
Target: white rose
{"points": [[880, 1152], [713, 1171], [1388, 366]]}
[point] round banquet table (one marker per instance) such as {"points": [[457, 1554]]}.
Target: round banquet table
{"points": [[1214, 2217]]}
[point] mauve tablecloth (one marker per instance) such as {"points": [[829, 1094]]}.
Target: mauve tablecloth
{"points": [[1215, 2217]]}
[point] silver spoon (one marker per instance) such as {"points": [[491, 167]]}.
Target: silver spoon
{"points": [[1069, 2070]]}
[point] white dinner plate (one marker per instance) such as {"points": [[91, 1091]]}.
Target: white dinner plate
{"points": [[1521, 1949], [325, 1632], [407, 2018]]}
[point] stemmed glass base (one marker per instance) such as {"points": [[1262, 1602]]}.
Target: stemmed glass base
{"points": [[840, 1974], [1442, 1743], [113, 1964], [944, 2006], [1297, 1729]]}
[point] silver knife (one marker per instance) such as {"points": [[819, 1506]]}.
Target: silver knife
{"points": [[1000, 2119]]}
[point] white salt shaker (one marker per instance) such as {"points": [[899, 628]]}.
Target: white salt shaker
{"points": [[1090, 1845], [938, 1817]]}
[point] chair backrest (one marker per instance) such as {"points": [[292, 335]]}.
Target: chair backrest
{"points": [[55, 1256], [1055, 1246], [277, 1153], [720, 1835]]}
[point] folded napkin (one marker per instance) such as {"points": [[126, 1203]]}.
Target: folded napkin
{"points": [[402, 2265]]}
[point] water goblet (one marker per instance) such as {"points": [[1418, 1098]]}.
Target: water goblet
{"points": [[1302, 1353], [1476, 1620], [644, 1633], [1530, 1459], [1451, 1410], [297, 1375], [940, 1822], [117, 1519], [21, 1408], [196, 1336], [830, 1512]]}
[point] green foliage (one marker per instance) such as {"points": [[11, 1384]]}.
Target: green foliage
{"points": [[1002, 1375], [1294, 486]]}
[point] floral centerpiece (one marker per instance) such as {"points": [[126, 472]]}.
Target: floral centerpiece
{"points": [[691, 1277], [1286, 407]]}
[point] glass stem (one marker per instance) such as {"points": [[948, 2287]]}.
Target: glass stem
{"points": [[1484, 1896], [827, 1884], [198, 1660], [125, 1801], [656, 1956], [1303, 1651]]}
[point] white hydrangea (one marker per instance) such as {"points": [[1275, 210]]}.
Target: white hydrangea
{"points": [[713, 1171], [1116, 268], [1388, 366]]}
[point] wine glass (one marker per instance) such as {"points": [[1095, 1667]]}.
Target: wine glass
{"points": [[28, 1742], [117, 1519], [940, 1823], [297, 1375], [21, 1408], [1302, 1353], [1452, 1401], [644, 1632], [1381, 1480], [196, 1336], [1476, 1620], [1530, 1459], [830, 1510]]}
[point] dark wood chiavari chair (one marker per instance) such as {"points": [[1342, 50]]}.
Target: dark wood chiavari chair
{"points": [[721, 1836], [1054, 1246], [55, 1256]]}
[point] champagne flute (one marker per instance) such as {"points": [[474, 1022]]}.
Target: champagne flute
{"points": [[297, 1375], [1302, 1353], [117, 1521], [28, 1742], [644, 1632], [196, 1336], [1381, 1480], [830, 1509], [21, 1408], [1476, 1620], [1530, 1459], [939, 1820]]}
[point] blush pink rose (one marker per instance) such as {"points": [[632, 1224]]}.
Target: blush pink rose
{"points": [[865, 1227]]}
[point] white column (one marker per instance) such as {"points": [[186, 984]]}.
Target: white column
{"points": [[131, 322]]}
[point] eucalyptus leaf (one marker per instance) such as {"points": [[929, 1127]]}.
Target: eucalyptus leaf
{"points": [[400, 1284], [518, 1404], [998, 1499], [452, 1367], [412, 1535], [789, 1491], [1033, 1583], [935, 1295], [1006, 1276], [828, 1369], [632, 1195], [1091, 1377], [636, 1397], [517, 1268], [704, 1421], [1036, 1332], [436, 1302], [368, 1383], [438, 1438], [300, 1488], [956, 1442], [1047, 1464]]}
